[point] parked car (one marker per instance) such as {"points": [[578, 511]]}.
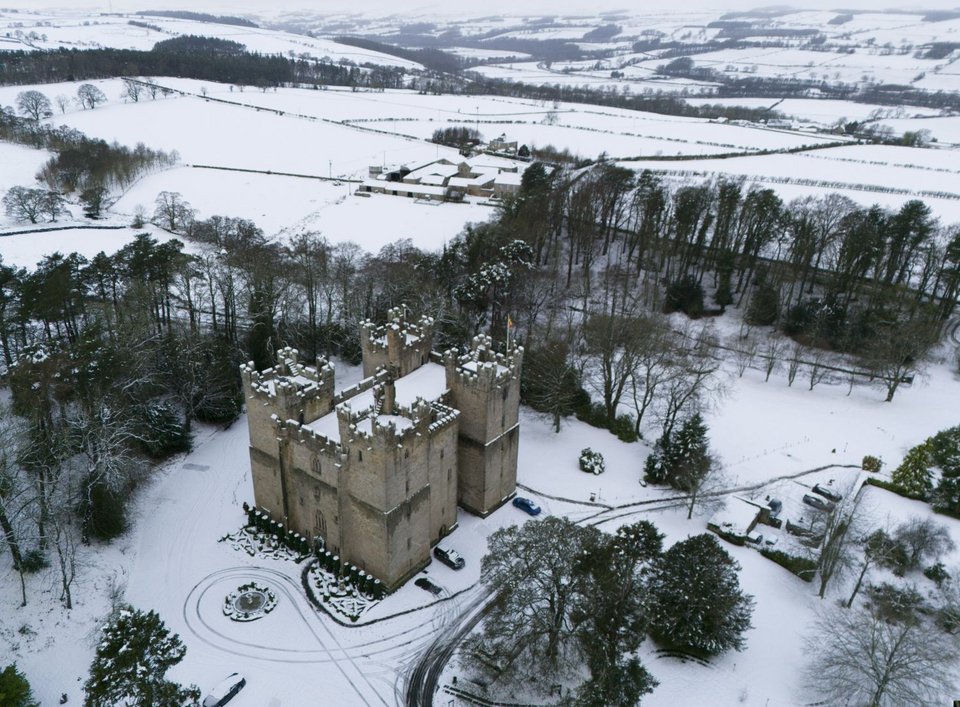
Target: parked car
{"points": [[775, 505], [427, 585], [451, 558], [526, 505], [225, 691], [816, 502], [828, 493]]}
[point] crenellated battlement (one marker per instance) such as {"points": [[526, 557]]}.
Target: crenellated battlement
{"points": [[400, 345], [292, 430], [291, 388], [482, 367], [403, 426]]}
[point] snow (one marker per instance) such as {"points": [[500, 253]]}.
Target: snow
{"points": [[428, 382]]}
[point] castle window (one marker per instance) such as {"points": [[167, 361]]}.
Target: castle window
{"points": [[506, 390], [406, 453], [319, 523], [449, 475], [316, 493], [408, 543], [441, 452], [359, 456], [316, 464], [408, 485]]}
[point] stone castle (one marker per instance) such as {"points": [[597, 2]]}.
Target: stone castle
{"points": [[377, 471]]}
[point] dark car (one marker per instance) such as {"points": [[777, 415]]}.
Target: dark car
{"points": [[429, 586], [225, 691], [828, 493], [816, 502], [526, 505], [451, 558]]}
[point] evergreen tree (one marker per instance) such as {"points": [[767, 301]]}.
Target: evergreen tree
{"points": [[134, 654], [946, 499], [913, 474], [14, 689], [688, 461], [764, 307], [695, 598]]}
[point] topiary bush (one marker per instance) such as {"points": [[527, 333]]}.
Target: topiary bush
{"points": [[871, 464], [591, 462]]}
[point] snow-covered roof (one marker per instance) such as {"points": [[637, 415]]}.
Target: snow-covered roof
{"points": [[509, 178], [736, 516], [428, 382]]}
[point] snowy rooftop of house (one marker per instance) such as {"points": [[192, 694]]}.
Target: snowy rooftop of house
{"points": [[509, 178], [480, 180], [736, 516], [437, 168]]}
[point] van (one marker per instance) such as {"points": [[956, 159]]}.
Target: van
{"points": [[225, 691]]}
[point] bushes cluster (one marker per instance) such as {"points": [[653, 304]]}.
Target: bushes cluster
{"points": [[871, 463], [595, 415], [591, 462]]}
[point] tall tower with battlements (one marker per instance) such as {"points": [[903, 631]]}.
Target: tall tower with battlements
{"points": [[400, 346], [485, 387]]}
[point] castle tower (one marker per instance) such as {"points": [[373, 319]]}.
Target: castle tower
{"points": [[392, 512], [485, 388], [400, 346], [288, 391]]}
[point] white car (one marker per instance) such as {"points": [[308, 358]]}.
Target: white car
{"points": [[225, 691]]}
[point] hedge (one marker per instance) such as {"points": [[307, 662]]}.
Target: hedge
{"points": [[804, 568]]}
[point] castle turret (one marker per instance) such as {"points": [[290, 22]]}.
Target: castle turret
{"points": [[400, 346], [485, 388]]}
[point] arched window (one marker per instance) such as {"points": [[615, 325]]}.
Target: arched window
{"points": [[316, 464], [319, 523]]}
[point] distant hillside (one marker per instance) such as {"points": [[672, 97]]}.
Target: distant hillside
{"points": [[199, 17]]}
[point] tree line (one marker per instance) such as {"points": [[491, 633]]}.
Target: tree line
{"points": [[183, 58]]}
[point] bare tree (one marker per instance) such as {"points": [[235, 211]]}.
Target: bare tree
{"points": [[745, 347], [63, 102], [898, 351], [860, 658], [34, 105], [692, 380], [772, 353], [89, 96], [839, 528], [653, 366], [65, 542], [923, 539], [878, 549], [132, 90], [172, 212], [817, 370], [31, 205], [793, 363]]}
